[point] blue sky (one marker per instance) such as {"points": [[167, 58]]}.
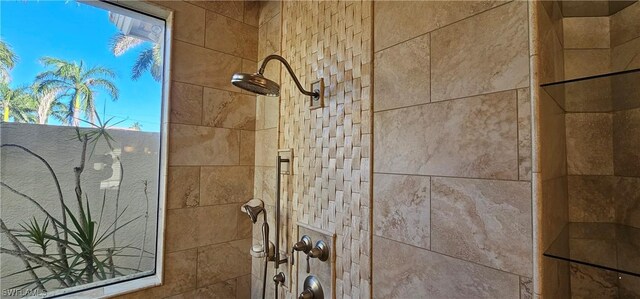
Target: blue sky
{"points": [[74, 31]]}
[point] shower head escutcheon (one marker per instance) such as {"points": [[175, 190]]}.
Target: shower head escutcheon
{"points": [[258, 84], [253, 208]]}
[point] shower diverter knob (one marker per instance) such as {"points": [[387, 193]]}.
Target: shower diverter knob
{"points": [[312, 289]]}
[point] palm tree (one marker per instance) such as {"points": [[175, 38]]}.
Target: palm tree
{"points": [[48, 104], [8, 60], [78, 84], [149, 59], [17, 103]]}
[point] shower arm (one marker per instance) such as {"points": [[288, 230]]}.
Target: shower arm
{"points": [[314, 94]]}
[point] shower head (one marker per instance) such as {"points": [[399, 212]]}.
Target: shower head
{"points": [[253, 208], [256, 83]]}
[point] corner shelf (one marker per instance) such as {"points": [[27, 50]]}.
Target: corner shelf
{"points": [[607, 246], [601, 93]]}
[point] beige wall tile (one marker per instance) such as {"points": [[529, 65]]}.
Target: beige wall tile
{"points": [[179, 276], [586, 33], [627, 197], [402, 208], [189, 21], [265, 180], [220, 290], [201, 66], [556, 278], [487, 222], [552, 140], [524, 134], [554, 209], [224, 261], [231, 9], [196, 145], [396, 22], [467, 59], [626, 56], [252, 13], [585, 8], [626, 142], [183, 187], [226, 184], [243, 287], [629, 286], [550, 49], [526, 288], [186, 103], [269, 41], [268, 10], [267, 113], [624, 25], [472, 137], [402, 75], [223, 109], [589, 143], [591, 282], [584, 63], [231, 36], [404, 271], [200, 226], [266, 147], [591, 198], [247, 147]]}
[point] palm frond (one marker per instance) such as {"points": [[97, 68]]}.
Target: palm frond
{"points": [[8, 58], [142, 64], [120, 43]]}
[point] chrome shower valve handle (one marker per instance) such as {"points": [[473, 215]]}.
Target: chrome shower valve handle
{"points": [[303, 245], [320, 251]]}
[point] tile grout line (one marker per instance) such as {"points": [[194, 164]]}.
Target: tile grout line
{"points": [[431, 102], [451, 177], [452, 257], [445, 26]]}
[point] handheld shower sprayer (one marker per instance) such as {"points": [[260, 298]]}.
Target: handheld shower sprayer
{"points": [[253, 208]]}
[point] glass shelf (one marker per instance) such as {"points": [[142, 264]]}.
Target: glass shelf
{"points": [[607, 246], [602, 93]]}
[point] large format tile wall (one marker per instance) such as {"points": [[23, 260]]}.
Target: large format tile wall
{"points": [[211, 152], [452, 200]]}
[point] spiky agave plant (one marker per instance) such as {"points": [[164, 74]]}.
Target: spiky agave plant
{"points": [[84, 253]]}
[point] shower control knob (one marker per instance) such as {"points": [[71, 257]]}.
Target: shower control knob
{"points": [[320, 251], [312, 289], [306, 294], [303, 245]]}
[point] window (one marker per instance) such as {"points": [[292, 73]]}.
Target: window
{"points": [[82, 156]]}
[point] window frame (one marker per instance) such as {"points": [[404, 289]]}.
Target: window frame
{"points": [[138, 281]]}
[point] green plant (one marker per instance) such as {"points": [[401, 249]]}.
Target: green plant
{"points": [[8, 60], [84, 245], [149, 58], [17, 103], [78, 84]]}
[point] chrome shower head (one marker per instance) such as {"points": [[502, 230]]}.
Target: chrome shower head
{"points": [[256, 83], [253, 208]]}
